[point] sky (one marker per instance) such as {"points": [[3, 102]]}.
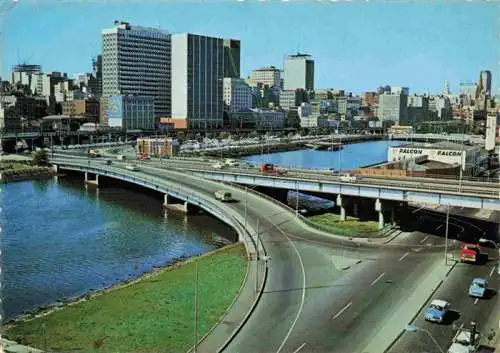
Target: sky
{"points": [[357, 45]]}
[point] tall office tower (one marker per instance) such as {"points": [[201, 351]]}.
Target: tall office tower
{"points": [[485, 82], [446, 90], [197, 81], [299, 72], [393, 107], [96, 86], [136, 61], [232, 58], [267, 76]]}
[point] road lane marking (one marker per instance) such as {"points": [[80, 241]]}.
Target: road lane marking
{"points": [[491, 272], [377, 279], [404, 256], [298, 349], [342, 310], [423, 240], [475, 301]]}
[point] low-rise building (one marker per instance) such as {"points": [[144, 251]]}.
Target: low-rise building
{"points": [[82, 107], [292, 98], [469, 157], [314, 122], [237, 95], [131, 112], [257, 119], [157, 146]]}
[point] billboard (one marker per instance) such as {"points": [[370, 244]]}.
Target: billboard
{"points": [[115, 111]]}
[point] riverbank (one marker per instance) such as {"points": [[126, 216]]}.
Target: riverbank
{"points": [[154, 313], [23, 170], [351, 227]]}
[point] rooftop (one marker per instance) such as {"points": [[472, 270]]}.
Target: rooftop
{"points": [[439, 145]]}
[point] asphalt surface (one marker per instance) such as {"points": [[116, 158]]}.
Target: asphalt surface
{"points": [[427, 184], [322, 294], [464, 310]]}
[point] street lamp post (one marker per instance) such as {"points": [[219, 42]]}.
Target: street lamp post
{"points": [[446, 235], [257, 258], [196, 306], [413, 328], [246, 205], [497, 246]]}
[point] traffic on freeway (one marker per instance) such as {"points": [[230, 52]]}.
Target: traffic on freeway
{"points": [[323, 294]]}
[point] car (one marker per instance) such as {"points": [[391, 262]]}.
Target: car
{"points": [[218, 166], [132, 167], [109, 162], [478, 287], [437, 311]]}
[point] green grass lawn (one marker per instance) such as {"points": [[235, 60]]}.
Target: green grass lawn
{"points": [[153, 315], [14, 166], [350, 227]]}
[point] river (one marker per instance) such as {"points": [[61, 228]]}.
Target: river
{"points": [[60, 240], [352, 156]]}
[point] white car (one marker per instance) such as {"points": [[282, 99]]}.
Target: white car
{"points": [[132, 167], [218, 166]]}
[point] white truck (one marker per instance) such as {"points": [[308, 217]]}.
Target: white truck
{"points": [[465, 340], [223, 195], [121, 157]]}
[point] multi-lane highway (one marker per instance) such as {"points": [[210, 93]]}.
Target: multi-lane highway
{"points": [[322, 294]]}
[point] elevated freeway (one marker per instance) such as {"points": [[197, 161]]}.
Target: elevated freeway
{"points": [[323, 293]]}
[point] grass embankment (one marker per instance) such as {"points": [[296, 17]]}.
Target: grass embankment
{"points": [[351, 227], [155, 314], [23, 170]]}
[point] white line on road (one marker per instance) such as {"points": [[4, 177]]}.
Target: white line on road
{"points": [[475, 301], [298, 349], [404, 256], [491, 272], [377, 279], [342, 310], [423, 240], [439, 227]]}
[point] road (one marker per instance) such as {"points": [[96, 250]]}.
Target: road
{"points": [[464, 310], [318, 296], [409, 183]]}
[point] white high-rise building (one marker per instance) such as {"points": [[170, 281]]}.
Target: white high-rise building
{"points": [[299, 72], [197, 81], [136, 61], [237, 94]]}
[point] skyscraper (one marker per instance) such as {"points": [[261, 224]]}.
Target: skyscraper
{"points": [[299, 72], [232, 58], [136, 61], [197, 81], [485, 82], [96, 86]]}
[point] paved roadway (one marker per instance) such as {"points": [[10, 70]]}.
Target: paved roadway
{"points": [[318, 298], [464, 310], [427, 184]]}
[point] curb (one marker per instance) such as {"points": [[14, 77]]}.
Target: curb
{"points": [[221, 318], [420, 308], [251, 310]]}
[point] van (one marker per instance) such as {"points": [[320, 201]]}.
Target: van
{"points": [[223, 195], [232, 162]]}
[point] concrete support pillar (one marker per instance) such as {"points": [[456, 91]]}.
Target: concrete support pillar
{"points": [[341, 206], [165, 200], [393, 216], [378, 208], [86, 176]]}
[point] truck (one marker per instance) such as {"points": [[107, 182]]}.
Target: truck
{"points": [[471, 253], [223, 195], [121, 157], [348, 178], [465, 340], [269, 169]]}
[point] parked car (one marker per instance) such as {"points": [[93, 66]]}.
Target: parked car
{"points": [[348, 178], [478, 287], [109, 162], [437, 311]]}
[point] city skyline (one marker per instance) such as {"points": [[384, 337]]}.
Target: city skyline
{"points": [[419, 46]]}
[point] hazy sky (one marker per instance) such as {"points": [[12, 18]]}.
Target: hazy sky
{"points": [[356, 45]]}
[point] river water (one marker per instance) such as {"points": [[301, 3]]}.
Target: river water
{"points": [[60, 240], [350, 157]]}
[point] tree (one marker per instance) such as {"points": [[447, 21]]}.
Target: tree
{"points": [[41, 158]]}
